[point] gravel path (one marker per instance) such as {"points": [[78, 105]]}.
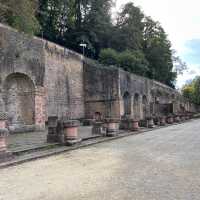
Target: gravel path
{"points": [[160, 165]]}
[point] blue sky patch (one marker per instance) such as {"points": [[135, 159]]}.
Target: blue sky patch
{"points": [[192, 56]]}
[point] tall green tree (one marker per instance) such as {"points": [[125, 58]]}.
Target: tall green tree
{"points": [[20, 15], [98, 24], [179, 65], [191, 90], [132, 61], [128, 32], [70, 22], [158, 52]]}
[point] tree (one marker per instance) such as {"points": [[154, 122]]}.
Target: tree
{"points": [[97, 24], [196, 83], [191, 90], [20, 15], [108, 57], [128, 32], [132, 61], [70, 22], [135, 42], [179, 65], [157, 49], [188, 92]]}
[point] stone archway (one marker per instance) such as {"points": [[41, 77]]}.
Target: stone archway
{"points": [[19, 99], [127, 103]]}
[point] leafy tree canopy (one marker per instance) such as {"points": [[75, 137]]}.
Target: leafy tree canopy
{"points": [[20, 15]]}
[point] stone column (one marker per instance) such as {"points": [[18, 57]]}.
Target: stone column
{"points": [[40, 99]]}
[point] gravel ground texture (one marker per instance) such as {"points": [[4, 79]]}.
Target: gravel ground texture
{"points": [[163, 164]]}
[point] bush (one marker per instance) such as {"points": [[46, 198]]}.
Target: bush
{"points": [[108, 57]]}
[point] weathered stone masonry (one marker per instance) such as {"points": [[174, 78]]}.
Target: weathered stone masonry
{"points": [[40, 79], [115, 93]]}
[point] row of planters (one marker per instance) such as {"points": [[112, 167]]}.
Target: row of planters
{"points": [[65, 131]]}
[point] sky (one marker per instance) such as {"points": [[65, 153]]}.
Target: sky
{"points": [[181, 21]]}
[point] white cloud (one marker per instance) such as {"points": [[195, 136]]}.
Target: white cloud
{"points": [[190, 74], [180, 20]]}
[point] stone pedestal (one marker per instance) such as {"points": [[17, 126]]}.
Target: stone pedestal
{"points": [[88, 122], [187, 117], [190, 115], [170, 119], [52, 129], [150, 122], [98, 128], [134, 125], [177, 118], [4, 154], [70, 130], [156, 121], [162, 121], [124, 124], [112, 126], [182, 117]]}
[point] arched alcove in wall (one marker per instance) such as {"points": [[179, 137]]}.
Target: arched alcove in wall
{"points": [[136, 106], [144, 106], [19, 98], [127, 103]]}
